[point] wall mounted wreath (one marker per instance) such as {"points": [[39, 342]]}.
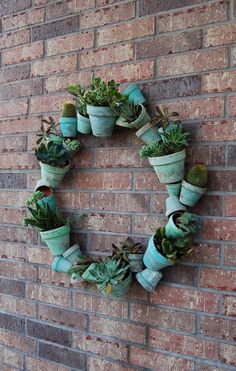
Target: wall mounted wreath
{"points": [[99, 109]]}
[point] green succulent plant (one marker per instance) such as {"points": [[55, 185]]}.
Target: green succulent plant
{"points": [[36, 196], [108, 273], [80, 267], [69, 110], [128, 110], [162, 118], [43, 218], [74, 144], [52, 154], [79, 94], [197, 175], [44, 134], [189, 223], [122, 251], [102, 94]]}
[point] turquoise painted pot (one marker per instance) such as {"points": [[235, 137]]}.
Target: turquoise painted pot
{"points": [[120, 289], [55, 139], [169, 128], [86, 275], [173, 189], [73, 253], [169, 168], [102, 120], [75, 278], [57, 240], [83, 124], [61, 264], [148, 134], [142, 120], [53, 175], [190, 194], [136, 262], [153, 259], [149, 279], [173, 205], [68, 127], [172, 230], [134, 94], [50, 200]]}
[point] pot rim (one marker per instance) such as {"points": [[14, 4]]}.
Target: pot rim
{"points": [[168, 159], [71, 250], [193, 188]]}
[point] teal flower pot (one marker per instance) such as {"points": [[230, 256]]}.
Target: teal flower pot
{"points": [[61, 264], [68, 127], [53, 175], [142, 120], [169, 128], [83, 124], [190, 194], [73, 253], [173, 189], [134, 94], [172, 230], [149, 279], [48, 192], [121, 288], [173, 205], [50, 200], [169, 168], [136, 262], [153, 259], [86, 275], [75, 278], [55, 139], [148, 134], [102, 120], [57, 240]]}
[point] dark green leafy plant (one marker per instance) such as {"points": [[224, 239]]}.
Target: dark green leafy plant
{"points": [[52, 154], [102, 94], [74, 144], [45, 133], [122, 251], [79, 94], [129, 111], [44, 218], [69, 110], [36, 196], [162, 118], [189, 223]]}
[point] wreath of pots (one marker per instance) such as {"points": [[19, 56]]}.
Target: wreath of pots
{"points": [[99, 110]]}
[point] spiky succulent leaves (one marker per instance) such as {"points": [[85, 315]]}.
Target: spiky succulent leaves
{"points": [[128, 110], [52, 154], [80, 267], [175, 140], [79, 94], [43, 218], [36, 196], [102, 94], [189, 223], [156, 149], [45, 133], [122, 251], [162, 118], [69, 110], [74, 144], [197, 175]]}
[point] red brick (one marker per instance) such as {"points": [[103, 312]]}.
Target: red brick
{"points": [[11, 216], [104, 180], [180, 274], [127, 31], [218, 130], [230, 255], [204, 367], [47, 276], [48, 294], [230, 205], [222, 180], [147, 181], [64, 317], [228, 354], [35, 364], [158, 361], [113, 14], [152, 6], [54, 65], [20, 125], [181, 321], [19, 306], [213, 155], [59, 83], [219, 229], [54, 29], [67, 7], [12, 358], [109, 307], [105, 158], [69, 43], [23, 53], [118, 329], [147, 224], [18, 270], [47, 103], [218, 328], [73, 200], [11, 144], [231, 106], [229, 305], [196, 61], [13, 107], [104, 347], [183, 344], [128, 72], [106, 55], [217, 82], [16, 198], [96, 364], [18, 161], [204, 253], [191, 17], [186, 298], [158, 203], [234, 56], [21, 89], [122, 202], [19, 37], [218, 279], [14, 73], [106, 222], [12, 251], [219, 35], [23, 19], [18, 234], [17, 341]]}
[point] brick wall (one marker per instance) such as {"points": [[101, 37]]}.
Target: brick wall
{"points": [[183, 53]]}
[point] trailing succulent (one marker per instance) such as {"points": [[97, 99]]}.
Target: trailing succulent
{"points": [[197, 175], [43, 218], [102, 94], [172, 249], [108, 273], [36, 196], [122, 251], [188, 223], [44, 134], [79, 94], [52, 154], [74, 144], [129, 111]]}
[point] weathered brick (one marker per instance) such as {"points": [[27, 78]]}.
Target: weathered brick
{"points": [[13, 180], [20, 125], [62, 355], [183, 344], [47, 103], [104, 180], [23, 19], [227, 354], [147, 181], [13, 323], [217, 82], [59, 83], [231, 106], [221, 180], [164, 45], [49, 333], [120, 202], [219, 229], [191, 17], [106, 222], [67, 7], [105, 158], [17, 306], [10, 144], [218, 279], [54, 65], [153, 6], [218, 130], [218, 328], [21, 89], [50, 295], [14, 73], [8, 7], [113, 14], [147, 224], [8, 40], [11, 216], [18, 161], [183, 275], [213, 155], [74, 200], [229, 255], [204, 253], [209, 205], [69, 43], [219, 35], [46, 275], [18, 234], [23, 53], [53, 29], [19, 270], [8, 286], [231, 155], [63, 317], [229, 305], [13, 107], [106, 55], [36, 364], [96, 364], [196, 61], [18, 341]]}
